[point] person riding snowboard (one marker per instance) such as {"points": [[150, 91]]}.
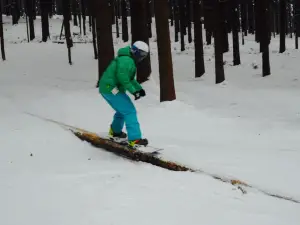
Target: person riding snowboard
{"points": [[118, 78]]}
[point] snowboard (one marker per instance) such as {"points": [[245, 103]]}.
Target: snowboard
{"points": [[123, 141]]}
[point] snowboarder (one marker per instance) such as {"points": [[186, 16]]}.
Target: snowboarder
{"points": [[118, 78]]}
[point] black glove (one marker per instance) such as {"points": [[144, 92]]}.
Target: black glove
{"points": [[139, 94], [142, 93]]}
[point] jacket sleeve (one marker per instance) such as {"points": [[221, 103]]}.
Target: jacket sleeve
{"points": [[136, 85], [125, 68]]}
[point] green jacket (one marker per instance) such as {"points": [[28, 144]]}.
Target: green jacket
{"points": [[120, 73]]}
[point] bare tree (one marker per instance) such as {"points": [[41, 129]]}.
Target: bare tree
{"points": [[139, 31], [29, 12], [125, 35], [104, 36], [66, 24], [218, 35], [2, 34], [167, 89], [45, 6], [283, 23], [235, 34], [198, 40]]}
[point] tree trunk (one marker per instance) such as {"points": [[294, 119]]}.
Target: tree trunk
{"points": [[176, 19], [218, 35], [2, 34], [140, 32], [104, 36], [263, 10], [171, 12], [182, 24], [251, 17], [15, 12], [198, 40], [83, 11], [167, 89], [125, 35], [45, 6], [188, 20], [283, 21], [94, 37], [149, 18], [235, 34], [116, 5], [29, 12], [66, 23], [75, 12]]}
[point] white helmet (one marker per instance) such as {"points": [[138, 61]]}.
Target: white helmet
{"points": [[139, 50]]}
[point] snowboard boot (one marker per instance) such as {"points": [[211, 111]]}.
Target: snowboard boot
{"points": [[121, 135], [139, 142]]}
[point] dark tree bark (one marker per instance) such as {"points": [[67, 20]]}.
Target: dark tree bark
{"points": [[167, 89], [139, 31], [283, 23], [66, 22], [29, 12], [182, 24], [45, 6], [198, 39], [208, 36], [296, 21], [218, 35], [112, 10], [188, 20], [83, 11], [125, 35], [244, 18], [149, 17], [75, 12], [209, 18], [263, 11], [94, 37], [2, 34], [224, 18], [176, 19], [34, 3], [235, 34], [117, 17], [171, 12], [257, 20], [104, 36], [15, 9], [251, 17]]}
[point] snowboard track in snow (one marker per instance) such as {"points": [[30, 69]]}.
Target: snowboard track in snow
{"points": [[123, 151]]}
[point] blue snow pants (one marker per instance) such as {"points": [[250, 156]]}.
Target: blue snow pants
{"points": [[125, 113]]}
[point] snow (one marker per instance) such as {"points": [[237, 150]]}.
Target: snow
{"points": [[246, 128]]}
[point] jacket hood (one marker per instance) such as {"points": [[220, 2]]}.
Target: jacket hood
{"points": [[124, 51]]}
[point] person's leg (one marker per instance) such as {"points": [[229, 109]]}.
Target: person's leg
{"points": [[122, 104], [131, 120], [118, 122], [118, 119]]}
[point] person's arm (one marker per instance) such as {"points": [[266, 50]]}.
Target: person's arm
{"points": [[123, 75], [137, 85]]}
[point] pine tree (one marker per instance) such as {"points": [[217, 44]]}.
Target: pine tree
{"points": [[139, 31], [283, 23], [235, 34], [198, 39], [167, 89], [104, 36], [2, 34]]}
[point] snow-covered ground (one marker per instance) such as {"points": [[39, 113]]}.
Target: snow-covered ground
{"points": [[247, 128]]}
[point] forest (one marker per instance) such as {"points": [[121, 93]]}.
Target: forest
{"points": [[219, 108], [189, 18]]}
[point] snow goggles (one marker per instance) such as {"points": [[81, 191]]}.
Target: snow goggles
{"points": [[138, 53]]}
